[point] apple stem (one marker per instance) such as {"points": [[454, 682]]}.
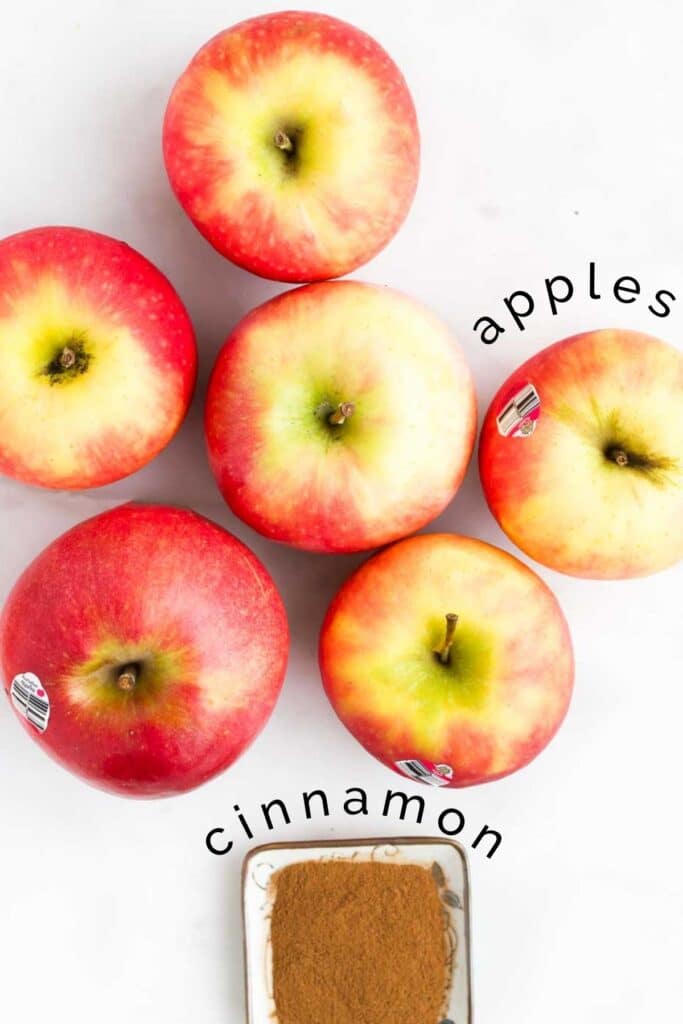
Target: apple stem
{"points": [[443, 651], [283, 141], [341, 414], [127, 678], [619, 456], [67, 358]]}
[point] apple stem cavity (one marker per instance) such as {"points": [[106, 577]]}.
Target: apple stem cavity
{"points": [[70, 361], [283, 142], [127, 678], [618, 456], [341, 414], [67, 358], [443, 651]]}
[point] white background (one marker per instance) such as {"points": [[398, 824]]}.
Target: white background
{"points": [[551, 136]]}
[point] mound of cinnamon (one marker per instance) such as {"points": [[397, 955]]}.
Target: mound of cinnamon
{"points": [[358, 943]]}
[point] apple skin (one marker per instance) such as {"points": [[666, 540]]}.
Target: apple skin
{"points": [[339, 195], [386, 472], [68, 289], [507, 688], [559, 494], [182, 598]]}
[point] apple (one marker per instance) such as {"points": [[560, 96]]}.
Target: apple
{"points": [[98, 358], [581, 455], [291, 141], [339, 417], [144, 649], [448, 659]]}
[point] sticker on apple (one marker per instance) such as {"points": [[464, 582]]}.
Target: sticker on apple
{"points": [[520, 412], [426, 771], [29, 697]]}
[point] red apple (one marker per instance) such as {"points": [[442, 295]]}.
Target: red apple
{"points": [[448, 659], [292, 143], [581, 455], [144, 649], [339, 417], [98, 358]]}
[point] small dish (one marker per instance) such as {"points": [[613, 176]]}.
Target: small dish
{"points": [[443, 857]]}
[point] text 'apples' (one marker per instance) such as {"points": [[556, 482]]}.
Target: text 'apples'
{"points": [[339, 417], [144, 649], [291, 141], [581, 455], [98, 358], [448, 659]]}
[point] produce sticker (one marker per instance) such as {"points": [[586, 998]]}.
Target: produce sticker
{"points": [[426, 771], [29, 697], [520, 412]]}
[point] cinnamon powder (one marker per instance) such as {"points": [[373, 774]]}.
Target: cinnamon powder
{"points": [[358, 943]]}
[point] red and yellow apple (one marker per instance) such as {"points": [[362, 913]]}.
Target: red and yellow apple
{"points": [[448, 659], [98, 358], [581, 455], [292, 143], [339, 417], [144, 649]]}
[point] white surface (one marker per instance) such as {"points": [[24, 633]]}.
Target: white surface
{"points": [[259, 896], [551, 137]]}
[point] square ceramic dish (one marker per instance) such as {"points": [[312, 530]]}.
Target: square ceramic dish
{"points": [[445, 859]]}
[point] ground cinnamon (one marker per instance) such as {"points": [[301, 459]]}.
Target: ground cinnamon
{"points": [[358, 943]]}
